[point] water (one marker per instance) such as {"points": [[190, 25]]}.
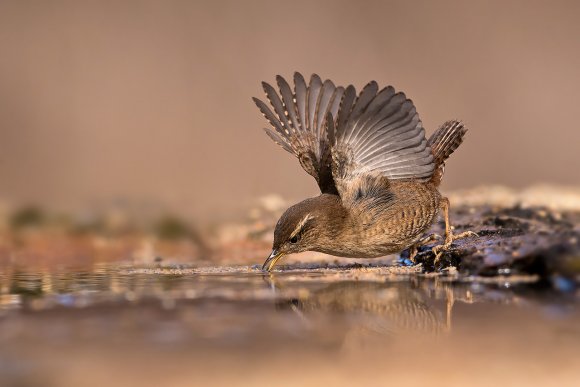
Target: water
{"points": [[178, 326]]}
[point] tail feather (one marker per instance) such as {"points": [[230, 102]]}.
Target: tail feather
{"points": [[443, 143]]}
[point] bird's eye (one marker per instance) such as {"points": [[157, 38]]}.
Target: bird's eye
{"points": [[294, 239]]}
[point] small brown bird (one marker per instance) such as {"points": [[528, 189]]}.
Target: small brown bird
{"points": [[378, 174]]}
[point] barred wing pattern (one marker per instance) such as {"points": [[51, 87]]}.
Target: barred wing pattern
{"points": [[298, 122], [377, 137], [352, 144]]}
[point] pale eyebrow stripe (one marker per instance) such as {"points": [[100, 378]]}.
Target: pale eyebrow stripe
{"points": [[301, 224]]}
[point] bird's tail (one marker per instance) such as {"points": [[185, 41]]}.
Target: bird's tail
{"points": [[444, 142]]}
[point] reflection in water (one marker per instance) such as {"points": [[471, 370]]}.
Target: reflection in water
{"points": [[379, 308], [122, 312], [372, 314], [383, 308], [408, 304]]}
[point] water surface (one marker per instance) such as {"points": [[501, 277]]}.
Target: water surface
{"points": [[125, 325]]}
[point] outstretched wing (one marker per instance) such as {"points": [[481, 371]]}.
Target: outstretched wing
{"points": [[377, 137], [299, 122]]}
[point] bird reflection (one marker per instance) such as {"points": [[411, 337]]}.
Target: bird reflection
{"points": [[371, 311]]}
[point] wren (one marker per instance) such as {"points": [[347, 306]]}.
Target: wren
{"points": [[378, 174]]}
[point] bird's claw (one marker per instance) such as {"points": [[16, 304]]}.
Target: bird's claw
{"points": [[440, 249], [414, 249], [467, 234], [429, 238]]}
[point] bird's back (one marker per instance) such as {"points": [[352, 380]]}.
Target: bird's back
{"points": [[393, 225]]}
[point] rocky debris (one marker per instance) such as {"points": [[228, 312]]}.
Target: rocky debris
{"points": [[512, 240]]}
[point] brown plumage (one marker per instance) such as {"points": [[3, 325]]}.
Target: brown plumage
{"points": [[377, 173]]}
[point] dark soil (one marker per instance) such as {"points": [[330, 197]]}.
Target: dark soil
{"points": [[512, 240]]}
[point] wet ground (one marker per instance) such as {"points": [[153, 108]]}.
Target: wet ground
{"points": [[181, 326], [502, 308]]}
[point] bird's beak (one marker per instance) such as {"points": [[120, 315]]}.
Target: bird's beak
{"points": [[275, 255]]}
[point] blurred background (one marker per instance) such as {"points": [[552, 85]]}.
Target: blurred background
{"points": [[138, 195], [150, 101]]}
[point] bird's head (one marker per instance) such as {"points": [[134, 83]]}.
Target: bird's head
{"points": [[299, 229]]}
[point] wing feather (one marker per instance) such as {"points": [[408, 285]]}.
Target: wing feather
{"points": [[365, 97], [351, 141], [279, 140], [272, 119], [378, 134], [288, 100], [335, 105], [299, 120], [300, 95], [348, 98], [313, 93], [323, 105], [278, 106]]}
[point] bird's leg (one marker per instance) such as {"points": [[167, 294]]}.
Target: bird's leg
{"points": [[414, 249], [428, 239], [449, 236], [450, 300]]}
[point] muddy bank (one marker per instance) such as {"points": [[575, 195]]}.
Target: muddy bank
{"points": [[512, 240]]}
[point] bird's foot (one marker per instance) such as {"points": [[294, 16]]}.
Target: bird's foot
{"points": [[414, 249], [450, 237], [428, 239]]}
